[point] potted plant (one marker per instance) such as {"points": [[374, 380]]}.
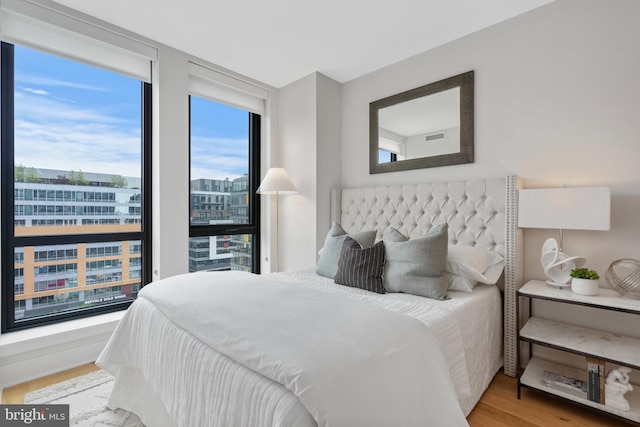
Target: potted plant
{"points": [[584, 281]]}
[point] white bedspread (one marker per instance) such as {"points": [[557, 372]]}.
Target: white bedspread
{"points": [[382, 368], [173, 379], [337, 377], [468, 327]]}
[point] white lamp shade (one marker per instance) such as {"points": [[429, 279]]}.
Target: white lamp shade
{"points": [[276, 181], [578, 208]]}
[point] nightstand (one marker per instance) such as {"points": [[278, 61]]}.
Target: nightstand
{"points": [[604, 346]]}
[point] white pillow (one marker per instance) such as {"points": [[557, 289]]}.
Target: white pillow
{"points": [[459, 283], [477, 264]]}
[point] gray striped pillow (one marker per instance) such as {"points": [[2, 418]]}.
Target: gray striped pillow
{"points": [[361, 268]]}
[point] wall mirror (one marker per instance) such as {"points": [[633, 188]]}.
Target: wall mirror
{"points": [[425, 127]]}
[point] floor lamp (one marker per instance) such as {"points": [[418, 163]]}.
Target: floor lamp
{"points": [[277, 182]]}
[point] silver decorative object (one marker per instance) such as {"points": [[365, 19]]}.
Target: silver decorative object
{"points": [[623, 276]]}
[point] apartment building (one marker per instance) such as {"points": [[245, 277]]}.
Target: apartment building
{"points": [[62, 277]]}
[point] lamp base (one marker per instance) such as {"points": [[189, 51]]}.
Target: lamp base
{"points": [[558, 265], [557, 285]]}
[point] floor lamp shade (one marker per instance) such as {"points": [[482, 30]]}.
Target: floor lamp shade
{"points": [[277, 182]]}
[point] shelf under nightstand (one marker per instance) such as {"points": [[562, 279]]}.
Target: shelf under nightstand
{"points": [[575, 339], [532, 378]]}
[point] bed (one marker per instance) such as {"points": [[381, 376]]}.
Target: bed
{"points": [[410, 358]]}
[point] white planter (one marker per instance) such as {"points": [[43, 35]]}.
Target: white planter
{"points": [[584, 286]]}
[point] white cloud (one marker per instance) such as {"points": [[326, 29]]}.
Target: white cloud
{"points": [[35, 91], [218, 158], [44, 110], [31, 79], [69, 147], [57, 135]]}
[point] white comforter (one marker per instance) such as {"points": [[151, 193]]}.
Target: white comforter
{"points": [[381, 368]]}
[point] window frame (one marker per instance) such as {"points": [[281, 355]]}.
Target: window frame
{"points": [[8, 240], [253, 225]]}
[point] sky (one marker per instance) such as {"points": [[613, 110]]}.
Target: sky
{"points": [[72, 116], [219, 140]]}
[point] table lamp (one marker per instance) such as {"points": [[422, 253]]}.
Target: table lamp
{"points": [[577, 208]]}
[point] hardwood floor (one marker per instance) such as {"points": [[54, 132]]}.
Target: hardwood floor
{"points": [[16, 393], [498, 407]]}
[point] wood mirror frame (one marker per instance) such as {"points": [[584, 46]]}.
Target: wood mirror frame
{"points": [[463, 81]]}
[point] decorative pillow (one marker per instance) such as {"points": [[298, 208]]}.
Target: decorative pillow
{"points": [[477, 264], [361, 267], [416, 266], [328, 261], [459, 283]]}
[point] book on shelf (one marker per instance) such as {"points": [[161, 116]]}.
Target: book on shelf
{"points": [[595, 379], [564, 383], [593, 385]]}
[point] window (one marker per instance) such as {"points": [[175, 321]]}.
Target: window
{"points": [[386, 156], [223, 211], [75, 187], [225, 119]]}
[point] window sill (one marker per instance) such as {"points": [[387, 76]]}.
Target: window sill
{"points": [[18, 342]]}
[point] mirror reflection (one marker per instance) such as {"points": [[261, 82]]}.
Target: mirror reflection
{"points": [[424, 127]]}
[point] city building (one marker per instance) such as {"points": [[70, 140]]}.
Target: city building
{"points": [[56, 278], [220, 202], [62, 277]]}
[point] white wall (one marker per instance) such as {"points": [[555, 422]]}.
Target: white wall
{"points": [[418, 146], [557, 101], [328, 169], [170, 169], [298, 157], [310, 152]]}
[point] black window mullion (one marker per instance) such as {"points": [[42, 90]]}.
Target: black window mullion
{"points": [[217, 230], [7, 186], [147, 234], [254, 183], [68, 239]]}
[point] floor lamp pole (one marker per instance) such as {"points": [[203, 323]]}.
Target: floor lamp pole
{"points": [[277, 232], [275, 181]]}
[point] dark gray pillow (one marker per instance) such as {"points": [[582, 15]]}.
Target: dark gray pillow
{"points": [[328, 262], [361, 267], [417, 266]]}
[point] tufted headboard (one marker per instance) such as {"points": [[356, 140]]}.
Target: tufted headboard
{"points": [[479, 212]]}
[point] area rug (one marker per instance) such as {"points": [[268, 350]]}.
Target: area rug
{"points": [[87, 398]]}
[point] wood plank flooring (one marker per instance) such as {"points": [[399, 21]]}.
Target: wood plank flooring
{"points": [[16, 393], [498, 407]]}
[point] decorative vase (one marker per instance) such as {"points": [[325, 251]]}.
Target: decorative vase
{"points": [[587, 287]]}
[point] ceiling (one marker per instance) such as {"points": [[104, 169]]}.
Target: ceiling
{"points": [[280, 41]]}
